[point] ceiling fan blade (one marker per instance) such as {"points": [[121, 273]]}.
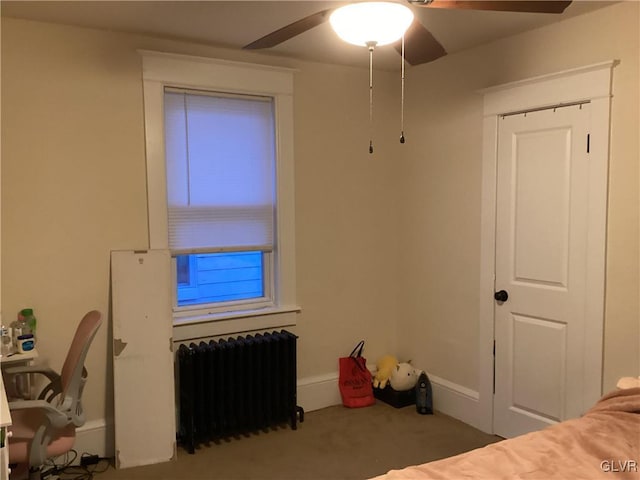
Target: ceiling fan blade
{"points": [[527, 6], [419, 45], [285, 33]]}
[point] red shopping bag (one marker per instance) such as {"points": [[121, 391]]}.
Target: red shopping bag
{"points": [[355, 380]]}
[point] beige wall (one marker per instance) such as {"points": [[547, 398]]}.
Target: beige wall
{"points": [[440, 195], [367, 227], [74, 188]]}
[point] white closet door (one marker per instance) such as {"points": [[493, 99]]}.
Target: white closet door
{"points": [[541, 263]]}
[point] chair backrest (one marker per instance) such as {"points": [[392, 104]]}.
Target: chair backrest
{"points": [[73, 374]]}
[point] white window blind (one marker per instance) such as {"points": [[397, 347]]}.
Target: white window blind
{"points": [[220, 160]]}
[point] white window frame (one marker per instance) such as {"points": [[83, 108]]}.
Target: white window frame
{"points": [[160, 70]]}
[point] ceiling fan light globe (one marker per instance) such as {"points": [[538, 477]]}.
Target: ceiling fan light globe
{"points": [[367, 23]]}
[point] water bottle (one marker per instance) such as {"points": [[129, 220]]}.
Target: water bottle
{"points": [[6, 341], [28, 321], [16, 331]]}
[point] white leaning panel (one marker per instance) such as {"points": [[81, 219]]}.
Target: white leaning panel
{"points": [[144, 398]]}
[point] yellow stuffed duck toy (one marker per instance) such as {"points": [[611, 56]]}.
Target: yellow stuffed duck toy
{"points": [[386, 365]]}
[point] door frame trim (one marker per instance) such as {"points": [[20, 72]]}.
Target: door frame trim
{"points": [[590, 83]]}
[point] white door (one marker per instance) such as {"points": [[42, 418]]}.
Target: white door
{"points": [[541, 261]]}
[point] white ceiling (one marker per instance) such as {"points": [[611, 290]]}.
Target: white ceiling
{"points": [[236, 23]]}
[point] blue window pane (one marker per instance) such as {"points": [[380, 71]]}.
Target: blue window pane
{"points": [[219, 277]]}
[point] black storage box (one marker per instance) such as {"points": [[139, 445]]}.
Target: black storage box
{"points": [[395, 398]]}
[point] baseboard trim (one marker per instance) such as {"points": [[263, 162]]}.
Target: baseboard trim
{"points": [[459, 402], [456, 401], [449, 398], [314, 393], [95, 437], [318, 392]]}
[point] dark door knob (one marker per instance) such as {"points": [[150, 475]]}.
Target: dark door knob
{"points": [[501, 296]]}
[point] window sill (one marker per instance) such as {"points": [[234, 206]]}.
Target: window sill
{"points": [[215, 324]]}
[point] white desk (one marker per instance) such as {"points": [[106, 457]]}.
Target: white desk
{"points": [[13, 360], [18, 359]]}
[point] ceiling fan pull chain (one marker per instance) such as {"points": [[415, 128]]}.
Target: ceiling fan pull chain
{"points": [[371, 46], [402, 97]]}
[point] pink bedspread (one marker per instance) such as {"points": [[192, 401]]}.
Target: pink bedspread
{"points": [[603, 443]]}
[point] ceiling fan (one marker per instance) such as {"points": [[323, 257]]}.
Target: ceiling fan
{"points": [[420, 45]]}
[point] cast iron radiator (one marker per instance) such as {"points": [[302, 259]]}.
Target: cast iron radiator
{"points": [[236, 386]]}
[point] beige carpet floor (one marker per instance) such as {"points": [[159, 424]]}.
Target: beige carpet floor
{"points": [[332, 443]]}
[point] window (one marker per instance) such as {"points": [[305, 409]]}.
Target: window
{"points": [[219, 139], [220, 168]]}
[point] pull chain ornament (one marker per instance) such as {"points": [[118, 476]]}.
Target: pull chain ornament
{"points": [[402, 97], [371, 46]]}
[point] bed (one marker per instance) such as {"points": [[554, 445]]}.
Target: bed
{"points": [[603, 443]]}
